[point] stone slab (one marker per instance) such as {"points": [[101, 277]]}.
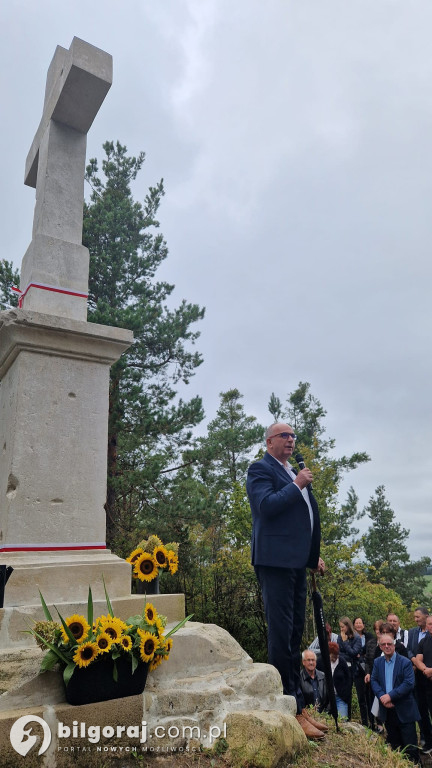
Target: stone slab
{"points": [[22, 330]]}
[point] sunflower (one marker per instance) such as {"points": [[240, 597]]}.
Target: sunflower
{"points": [[112, 626], [103, 642], [160, 554], [167, 649], [145, 568], [155, 662], [126, 642], [79, 628], [150, 614], [85, 654], [134, 555], [148, 645], [172, 563]]}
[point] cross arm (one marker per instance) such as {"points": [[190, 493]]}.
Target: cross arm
{"points": [[81, 78]]}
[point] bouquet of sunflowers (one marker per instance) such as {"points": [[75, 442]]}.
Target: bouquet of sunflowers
{"points": [[151, 557], [78, 641]]}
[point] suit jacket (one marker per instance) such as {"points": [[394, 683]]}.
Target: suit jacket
{"points": [[281, 529], [402, 693], [402, 636], [413, 641]]}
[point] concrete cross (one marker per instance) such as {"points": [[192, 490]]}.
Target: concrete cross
{"points": [[54, 272]]}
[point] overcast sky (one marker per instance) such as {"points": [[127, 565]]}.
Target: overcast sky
{"points": [[294, 138]]}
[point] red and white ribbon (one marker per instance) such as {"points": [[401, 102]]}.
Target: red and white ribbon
{"points": [[46, 287], [51, 547]]}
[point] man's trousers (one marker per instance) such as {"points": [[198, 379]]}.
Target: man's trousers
{"points": [[284, 596]]}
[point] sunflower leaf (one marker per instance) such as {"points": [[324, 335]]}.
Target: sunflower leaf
{"points": [[49, 660], [135, 620], [134, 663], [45, 608], [115, 672], [115, 654], [90, 608], [72, 639], [178, 626], [68, 672], [108, 601]]}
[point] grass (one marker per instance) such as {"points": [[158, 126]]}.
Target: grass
{"points": [[347, 749], [351, 747]]}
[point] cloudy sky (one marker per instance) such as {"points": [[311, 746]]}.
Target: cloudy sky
{"points": [[294, 138]]}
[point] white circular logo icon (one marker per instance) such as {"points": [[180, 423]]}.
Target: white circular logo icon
{"points": [[22, 738]]}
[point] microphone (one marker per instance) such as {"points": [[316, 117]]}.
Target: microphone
{"points": [[300, 461]]}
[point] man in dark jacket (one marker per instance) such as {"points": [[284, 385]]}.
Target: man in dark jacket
{"points": [[415, 635], [424, 667], [285, 541], [312, 682], [392, 682]]}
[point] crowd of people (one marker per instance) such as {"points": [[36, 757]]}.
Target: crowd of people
{"points": [[391, 670]]}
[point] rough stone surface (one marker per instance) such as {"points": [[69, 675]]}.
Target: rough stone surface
{"points": [[262, 738], [209, 688]]}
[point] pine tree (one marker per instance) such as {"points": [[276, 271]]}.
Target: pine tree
{"points": [[305, 414], [9, 276], [386, 552], [231, 438]]}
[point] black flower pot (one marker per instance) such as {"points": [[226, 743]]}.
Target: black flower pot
{"points": [[147, 587], [96, 682]]}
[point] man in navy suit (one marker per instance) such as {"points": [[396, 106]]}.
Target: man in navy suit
{"points": [[415, 635], [285, 541], [392, 682]]}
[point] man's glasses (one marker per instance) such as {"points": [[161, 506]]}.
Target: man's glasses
{"points": [[384, 644], [285, 435]]}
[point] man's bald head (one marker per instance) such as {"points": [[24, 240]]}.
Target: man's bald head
{"points": [[280, 441]]}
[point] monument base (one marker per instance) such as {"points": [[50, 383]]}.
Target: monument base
{"points": [[64, 577]]}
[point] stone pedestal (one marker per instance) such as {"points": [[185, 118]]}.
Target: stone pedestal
{"points": [[54, 375]]}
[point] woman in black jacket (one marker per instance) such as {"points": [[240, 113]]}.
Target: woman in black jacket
{"points": [[342, 680], [349, 649], [363, 691]]}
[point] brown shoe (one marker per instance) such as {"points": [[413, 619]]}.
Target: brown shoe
{"points": [[316, 723], [310, 731]]}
